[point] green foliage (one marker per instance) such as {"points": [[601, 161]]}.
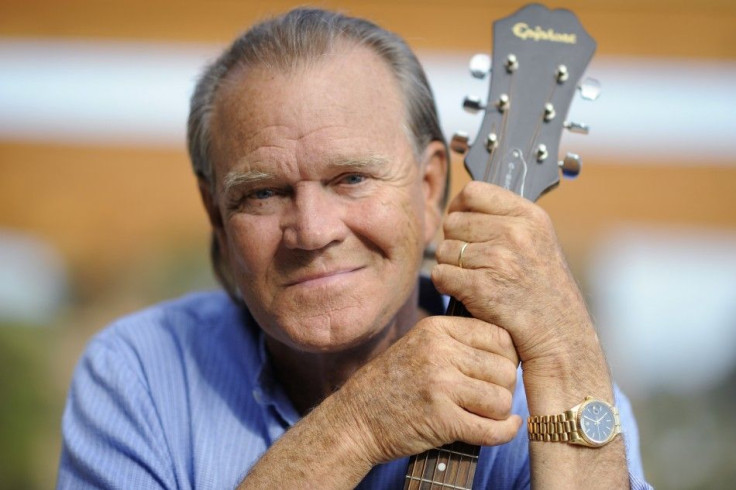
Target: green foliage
{"points": [[30, 408]]}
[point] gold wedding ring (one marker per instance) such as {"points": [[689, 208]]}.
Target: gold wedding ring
{"points": [[460, 257]]}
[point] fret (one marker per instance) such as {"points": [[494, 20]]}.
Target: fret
{"points": [[432, 483], [450, 466]]}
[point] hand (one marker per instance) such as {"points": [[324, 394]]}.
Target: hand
{"points": [[447, 379], [514, 274]]}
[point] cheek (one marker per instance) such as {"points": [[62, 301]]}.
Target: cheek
{"points": [[394, 225], [250, 243]]}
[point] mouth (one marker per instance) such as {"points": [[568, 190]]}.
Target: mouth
{"points": [[314, 279]]}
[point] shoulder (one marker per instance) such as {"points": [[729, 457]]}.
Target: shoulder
{"points": [[167, 344], [147, 386], [174, 323]]}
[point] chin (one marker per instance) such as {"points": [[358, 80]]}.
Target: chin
{"points": [[329, 335]]}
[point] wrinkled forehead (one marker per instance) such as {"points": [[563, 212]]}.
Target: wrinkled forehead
{"points": [[349, 86]]}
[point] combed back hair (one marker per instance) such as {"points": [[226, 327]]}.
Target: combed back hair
{"points": [[286, 42]]}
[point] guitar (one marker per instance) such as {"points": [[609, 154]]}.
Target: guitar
{"points": [[539, 56]]}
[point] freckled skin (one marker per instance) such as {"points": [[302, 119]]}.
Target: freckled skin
{"points": [[324, 264]]}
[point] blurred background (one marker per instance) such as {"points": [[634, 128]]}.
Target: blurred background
{"points": [[99, 214]]}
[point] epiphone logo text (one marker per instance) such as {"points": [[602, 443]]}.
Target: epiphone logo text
{"points": [[523, 31]]}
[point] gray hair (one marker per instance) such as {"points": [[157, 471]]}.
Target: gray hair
{"points": [[284, 42]]}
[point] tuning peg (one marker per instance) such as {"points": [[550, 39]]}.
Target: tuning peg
{"points": [[590, 89], [571, 165], [480, 65], [472, 104], [576, 127], [460, 142]]}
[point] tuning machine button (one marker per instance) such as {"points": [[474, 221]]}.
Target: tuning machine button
{"points": [[503, 103], [491, 142], [460, 142], [562, 74], [590, 89], [577, 127], [571, 165], [512, 63], [549, 112], [542, 153], [472, 104], [480, 65]]}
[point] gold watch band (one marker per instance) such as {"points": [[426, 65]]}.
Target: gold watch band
{"points": [[565, 427], [554, 428]]}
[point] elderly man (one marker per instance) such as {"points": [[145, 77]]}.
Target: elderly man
{"points": [[322, 167]]}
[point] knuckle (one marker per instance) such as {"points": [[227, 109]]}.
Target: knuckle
{"points": [[519, 237], [436, 275], [457, 224], [506, 372], [443, 251], [503, 339], [508, 266], [502, 263], [474, 187], [539, 216], [505, 401]]}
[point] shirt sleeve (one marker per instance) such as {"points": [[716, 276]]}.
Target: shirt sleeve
{"points": [[631, 441], [111, 431]]}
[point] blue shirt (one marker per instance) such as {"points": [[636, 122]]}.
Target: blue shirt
{"points": [[182, 395]]}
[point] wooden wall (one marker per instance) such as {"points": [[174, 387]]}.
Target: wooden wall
{"points": [[103, 206]]}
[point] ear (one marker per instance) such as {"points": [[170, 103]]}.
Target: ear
{"points": [[434, 180], [213, 212]]}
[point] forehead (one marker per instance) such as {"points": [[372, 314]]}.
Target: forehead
{"points": [[347, 96]]}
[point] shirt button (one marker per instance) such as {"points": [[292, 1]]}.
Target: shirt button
{"points": [[258, 396]]}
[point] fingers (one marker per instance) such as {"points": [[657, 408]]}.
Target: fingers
{"points": [[487, 198], [487, 213], [483, 431], [474, 255], [480, 346], [447, 379], [490, 432], [471, 227], [485, 399]]}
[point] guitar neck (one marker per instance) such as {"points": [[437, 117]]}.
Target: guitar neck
{"points": [[451, 466]]}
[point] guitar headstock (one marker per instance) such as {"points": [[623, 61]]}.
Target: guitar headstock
{"points": [[539, 56]]}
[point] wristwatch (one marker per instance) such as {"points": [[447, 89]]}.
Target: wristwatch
{"points": [[592, 423]]}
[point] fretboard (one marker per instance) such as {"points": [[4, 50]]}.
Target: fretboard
{"points": [[451, 466]]}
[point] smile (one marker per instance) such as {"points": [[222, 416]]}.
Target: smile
{"points": [[322, 278]]}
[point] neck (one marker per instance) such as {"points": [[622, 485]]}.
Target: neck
{"points": [[309, 377]]}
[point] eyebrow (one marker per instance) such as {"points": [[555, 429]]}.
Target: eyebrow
{"points": [[236, 178]]}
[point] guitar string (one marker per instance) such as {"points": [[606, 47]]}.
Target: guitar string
{"points": [[501, 148], [447, 471], [424, 466], [413, 462], [535, 135], [443, 473], [489, 165]]}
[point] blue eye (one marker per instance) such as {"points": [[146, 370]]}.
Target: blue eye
{"points": [[353, 179], [263, 193]]}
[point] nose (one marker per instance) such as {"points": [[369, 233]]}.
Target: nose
{"points": [[314, 218]]}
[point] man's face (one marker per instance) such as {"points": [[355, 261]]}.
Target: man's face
{"points": [[325, 210]]}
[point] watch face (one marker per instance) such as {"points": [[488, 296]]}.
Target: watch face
{"points": [[597, 422]]}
